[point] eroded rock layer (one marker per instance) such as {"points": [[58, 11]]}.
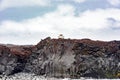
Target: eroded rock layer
{"points": [[63, 58]]}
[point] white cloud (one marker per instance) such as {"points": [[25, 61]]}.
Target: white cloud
{"points": [[4, 4], [114, 2], [79, 1], [94, 24]]}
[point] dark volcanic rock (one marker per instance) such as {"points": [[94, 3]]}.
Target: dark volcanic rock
{"points": [[7, 61], [51, 57], [63, 58], [10, 61], [75, 58]]}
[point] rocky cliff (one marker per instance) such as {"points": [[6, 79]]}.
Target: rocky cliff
{"points": [[63, 58]]}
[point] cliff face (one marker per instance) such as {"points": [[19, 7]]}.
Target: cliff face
{"points": [[12, 59], [64, 58]]}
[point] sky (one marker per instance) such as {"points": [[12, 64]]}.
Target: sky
{"points": [[29, 21]]}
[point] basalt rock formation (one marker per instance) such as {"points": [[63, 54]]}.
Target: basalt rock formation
{"points": [[63, 58], [13, 59]]}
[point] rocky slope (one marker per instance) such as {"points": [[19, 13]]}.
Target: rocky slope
{"points": [[63, 58], [13, 58]]}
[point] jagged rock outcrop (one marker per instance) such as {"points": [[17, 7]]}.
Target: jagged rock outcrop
{"points": [[75, 58], [63, 58], [51, 57], [12, 59]]}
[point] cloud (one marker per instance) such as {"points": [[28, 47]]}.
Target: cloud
{"points": [[114, 2], [4, 4], [94, 24], [79, 1]]}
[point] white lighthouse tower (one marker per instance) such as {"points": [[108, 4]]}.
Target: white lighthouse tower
{"points": [[61, 36]]}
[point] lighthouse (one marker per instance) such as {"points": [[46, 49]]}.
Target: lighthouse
{"points": [[61, 36]]}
